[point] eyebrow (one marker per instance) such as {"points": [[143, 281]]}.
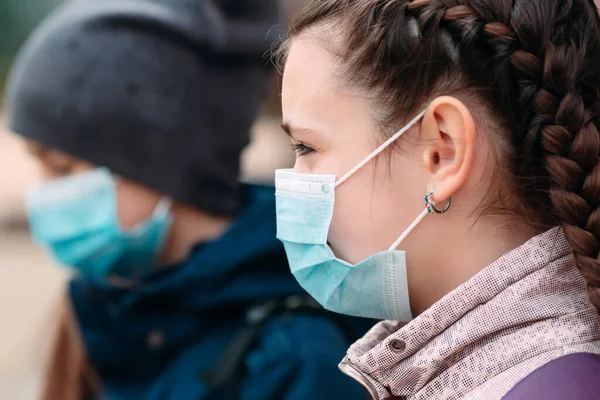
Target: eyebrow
{"points": [[292, 131], [34, 149]]}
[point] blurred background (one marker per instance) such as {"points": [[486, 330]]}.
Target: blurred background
{"points": [[29, 285]]}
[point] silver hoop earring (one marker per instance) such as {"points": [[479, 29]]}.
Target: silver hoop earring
{"points": [[431, 206]]}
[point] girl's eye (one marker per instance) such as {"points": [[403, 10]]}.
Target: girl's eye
{"points": [[301, 149]]}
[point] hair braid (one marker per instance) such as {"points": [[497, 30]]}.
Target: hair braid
{"points": [[571, 144], [560, 120], [490, 51]]}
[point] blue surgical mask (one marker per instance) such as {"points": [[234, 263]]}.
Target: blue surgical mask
{"points": [[374, 288], [75, 219]]}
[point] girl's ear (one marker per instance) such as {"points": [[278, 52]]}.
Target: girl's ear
{"points": [[450, 137]]}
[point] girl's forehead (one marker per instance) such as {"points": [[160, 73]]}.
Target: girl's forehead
{"points": [[308, 69], [307, 90], [310, 78], [315, 98]]}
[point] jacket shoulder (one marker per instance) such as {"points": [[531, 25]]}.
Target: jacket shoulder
{"points": [[573, 377]]}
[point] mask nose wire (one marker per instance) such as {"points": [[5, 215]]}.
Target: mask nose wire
{"points": [[380, 148]]}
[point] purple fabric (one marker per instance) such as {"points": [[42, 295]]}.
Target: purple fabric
{"points": [[572, 377]]}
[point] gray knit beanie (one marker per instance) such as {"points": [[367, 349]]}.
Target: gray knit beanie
{"points": [[162, 92]]}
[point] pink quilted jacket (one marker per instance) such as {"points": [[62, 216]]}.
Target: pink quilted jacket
{"points": [[522, 311]]}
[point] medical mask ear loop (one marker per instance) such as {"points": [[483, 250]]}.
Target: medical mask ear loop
{"points": [[429, 209], [162, 208], [375, 154], [380, 148], [408, 230]]}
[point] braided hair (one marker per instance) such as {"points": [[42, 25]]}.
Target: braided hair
{"points": [[531, 66]]}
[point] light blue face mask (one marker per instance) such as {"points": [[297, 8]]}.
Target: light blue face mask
{"points": [[75, 219], [374, 288]]}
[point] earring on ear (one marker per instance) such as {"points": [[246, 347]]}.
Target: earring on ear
{"points": [[429, 203]]}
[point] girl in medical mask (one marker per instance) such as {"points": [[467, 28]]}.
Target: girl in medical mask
{"points": [[138, 112], [447, 178]]}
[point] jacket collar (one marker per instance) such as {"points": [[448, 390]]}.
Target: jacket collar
{"points": [[528, 303]]}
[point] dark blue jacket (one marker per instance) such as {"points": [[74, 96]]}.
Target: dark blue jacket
{"points": [[161, 339]]}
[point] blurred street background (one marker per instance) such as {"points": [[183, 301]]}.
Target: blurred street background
{"points": [[29, 285]]}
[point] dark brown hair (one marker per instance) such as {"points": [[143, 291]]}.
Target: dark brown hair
{"points": [[532, 65]]}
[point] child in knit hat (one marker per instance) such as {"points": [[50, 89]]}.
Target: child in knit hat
{"points": [[138, 111]]}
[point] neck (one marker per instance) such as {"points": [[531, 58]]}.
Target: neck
{"points": [[190, 227], [458, 250]]}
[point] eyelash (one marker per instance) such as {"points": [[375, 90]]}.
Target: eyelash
{"points": [[61, 171], [301, 149]]}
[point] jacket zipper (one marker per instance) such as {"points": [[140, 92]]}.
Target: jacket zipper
{"points": [[347, 368]]}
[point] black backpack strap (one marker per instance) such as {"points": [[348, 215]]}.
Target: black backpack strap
{"points": [[227, 371]]}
